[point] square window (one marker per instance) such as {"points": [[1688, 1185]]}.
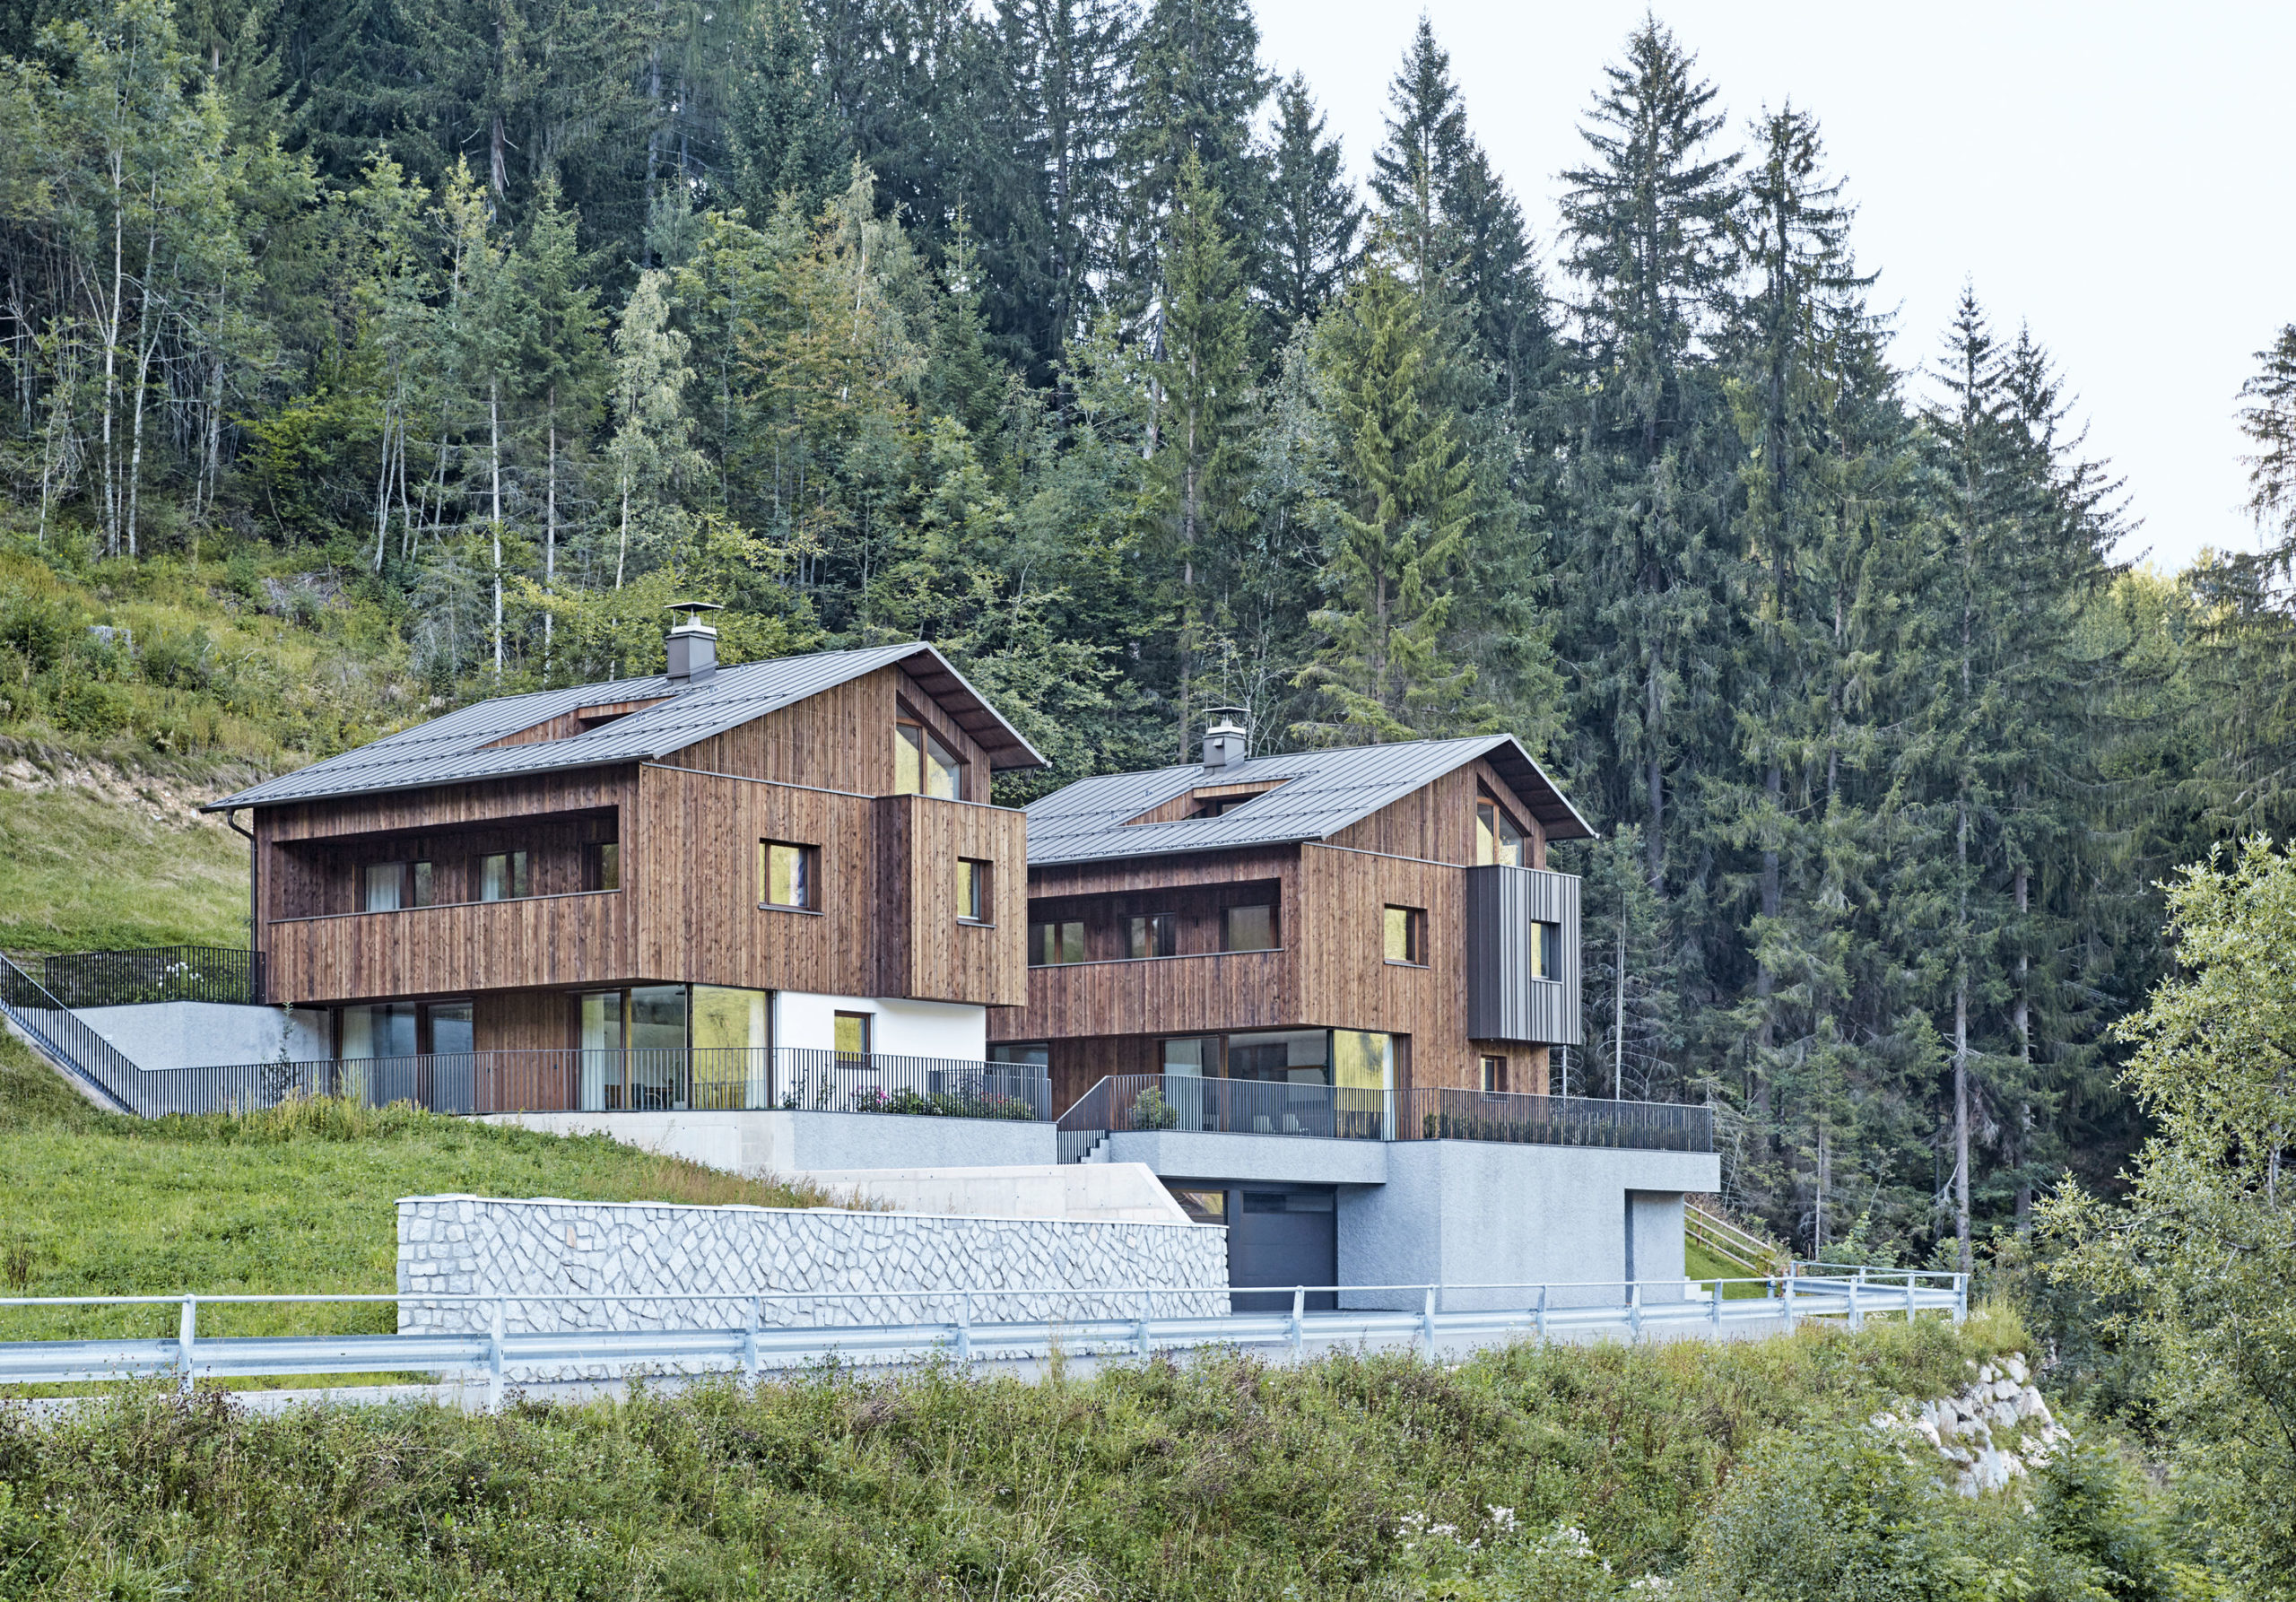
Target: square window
{"points": [[502, 876], [1406, 935], [383, 887], [788, 875], [922, 765], [1152, 935], [852, 1034], [974, 904], [1248, 928], [1051, 944]]}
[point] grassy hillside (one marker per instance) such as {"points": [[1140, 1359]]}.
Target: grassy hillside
{"points": [[83, 868], [302, 1199], [1547, 1475]]}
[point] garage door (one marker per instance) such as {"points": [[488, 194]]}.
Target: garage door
{"points": [[1282, 1238]]}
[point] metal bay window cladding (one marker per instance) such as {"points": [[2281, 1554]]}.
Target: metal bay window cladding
{"points": [[672, 1048]]}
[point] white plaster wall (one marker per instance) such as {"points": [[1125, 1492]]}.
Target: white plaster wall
{"points": [[1113, 1192], [207, 1034], [805, 1021]]}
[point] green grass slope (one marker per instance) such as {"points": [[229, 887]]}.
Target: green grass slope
{"points": [[82, 870], [298, 1201]]}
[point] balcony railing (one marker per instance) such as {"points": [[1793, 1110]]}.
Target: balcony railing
{"points": [[154, 973], [1128, 1103]]}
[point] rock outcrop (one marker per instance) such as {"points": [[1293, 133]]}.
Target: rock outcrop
{"points": [[1995, 1431]]}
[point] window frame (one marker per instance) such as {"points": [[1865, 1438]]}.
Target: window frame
{"points": [[1525, 849], [808, 871], [1546, 951], [1413, 922], [1163, 929], [921, 747], [597, 855], [517, 869], [868, 1035], [1227, 928], [977, 893], [1053, 938], [370, 880], [1495, 1083]]}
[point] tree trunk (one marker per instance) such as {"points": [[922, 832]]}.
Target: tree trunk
{"points": [[111, 353], [549, 532], [494, 455], [2023, 1020]]}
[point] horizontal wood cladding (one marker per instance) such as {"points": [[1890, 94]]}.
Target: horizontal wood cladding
{"points": [[840, 739], [569, 940], [885, 886], [1436, 821], [1215, 991]]}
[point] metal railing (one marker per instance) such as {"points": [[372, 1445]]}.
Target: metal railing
{"points": [[767, 1330], [643, 1079], [155, 974], [1126, 1104]]}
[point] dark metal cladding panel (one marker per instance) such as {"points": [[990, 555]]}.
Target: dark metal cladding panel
{"points": [[1503, 907]]}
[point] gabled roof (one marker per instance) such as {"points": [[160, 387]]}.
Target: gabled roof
{"points": [[460, 747], [1316, 794]]}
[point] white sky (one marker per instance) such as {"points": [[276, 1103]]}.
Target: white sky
{"points": [[2115, 175]]}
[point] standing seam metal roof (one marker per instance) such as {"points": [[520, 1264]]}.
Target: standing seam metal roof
{"points": [[459, 748], [1318, 794]]}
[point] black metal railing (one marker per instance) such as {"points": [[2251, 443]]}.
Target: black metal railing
{"points": [[91, 1059], [1125, 1103], [154, 973], [843, 1082]]}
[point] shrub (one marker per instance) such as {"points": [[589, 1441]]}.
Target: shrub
{"points": [[91, 707], [40, 630], [181, 661]]}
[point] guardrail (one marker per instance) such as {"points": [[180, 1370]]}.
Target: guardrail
{"points": [[1736, 1247], [1124, 1103], [155, 974], [751, 1343]]}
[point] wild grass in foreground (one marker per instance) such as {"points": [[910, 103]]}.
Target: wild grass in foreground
{"points": [[1734, 1470], [302, 1198]]}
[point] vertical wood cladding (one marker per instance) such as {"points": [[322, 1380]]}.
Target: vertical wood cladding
{"points": [[885, 891], [841, 739], [1437, 820], [443, 951]]}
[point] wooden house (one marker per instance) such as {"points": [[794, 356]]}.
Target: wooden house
{"points": [[791, 854], [1375, 919]]}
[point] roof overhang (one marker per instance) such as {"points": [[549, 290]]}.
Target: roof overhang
{"points": [[1004, 744], [1542, 795]]}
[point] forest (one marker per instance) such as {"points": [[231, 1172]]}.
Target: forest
{"points": [[1056, 332]]}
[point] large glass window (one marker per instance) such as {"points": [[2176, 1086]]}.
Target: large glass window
{"points": [[423, 883], [730, 1048], [1296, 1057], [1053, 943], [602, 1043], [1037, 1054], [922, 765], [503, 877], [657, 1036], [451, 1030], [786, 874], [1152, 935], [386, 1029], [1248, 928], [602, 866], [1498, 840]]}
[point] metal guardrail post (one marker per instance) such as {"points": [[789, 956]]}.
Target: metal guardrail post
{"points": [[1714, 1313], [749, 1342], [1427, 1324], [964, 1326], [1634, 1310], [1960, 1297], [1908, 1298], [186, 1335], [1298, 1323], [1789, 1303], [494, 1361], [1857, 1313], [1140, 1335]]}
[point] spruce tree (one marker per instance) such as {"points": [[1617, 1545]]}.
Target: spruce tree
{"points": [[785, 136], [1197, 85], [1314, 217]]}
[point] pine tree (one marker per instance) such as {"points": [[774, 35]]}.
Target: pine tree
{"points": [[786, 137], [1314, 215], [1197, 87]]}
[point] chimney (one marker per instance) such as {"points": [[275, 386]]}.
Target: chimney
{"points": [[693, 644], [1225, 744]]}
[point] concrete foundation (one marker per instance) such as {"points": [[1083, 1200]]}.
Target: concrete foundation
{"points": [[208, 1034], [793, 1144]]}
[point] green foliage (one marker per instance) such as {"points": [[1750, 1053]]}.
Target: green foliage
{"points": [[1530, 1473], [2197, 1265]]}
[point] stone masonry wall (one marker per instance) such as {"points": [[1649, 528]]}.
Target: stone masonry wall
{"points": [[455, 1245]]}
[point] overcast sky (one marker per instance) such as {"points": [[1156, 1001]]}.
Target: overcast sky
{"points": [[2115, 175]]}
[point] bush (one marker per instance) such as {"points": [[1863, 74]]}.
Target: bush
{"points": [[91, 706], [181, 661], [37, 629]]}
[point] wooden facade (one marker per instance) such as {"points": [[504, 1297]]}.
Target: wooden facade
{"points": [[689, 904], [1107, 1014]]}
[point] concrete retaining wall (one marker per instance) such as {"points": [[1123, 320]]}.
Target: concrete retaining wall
{"points": [[793, 1144], [1109, 1192], [1068, 1268], [207, 1034], [1463, 1212]]}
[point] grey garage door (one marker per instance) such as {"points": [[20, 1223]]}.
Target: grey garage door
{"points": [[1282, 1238]]}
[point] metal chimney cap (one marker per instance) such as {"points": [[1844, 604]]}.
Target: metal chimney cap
{"points": [[1225, 743], [689, 621]]}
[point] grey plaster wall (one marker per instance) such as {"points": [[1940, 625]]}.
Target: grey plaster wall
{"points": [[797, 1143], [206, 1034], [1463, 1212], [1047, 1268]]}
